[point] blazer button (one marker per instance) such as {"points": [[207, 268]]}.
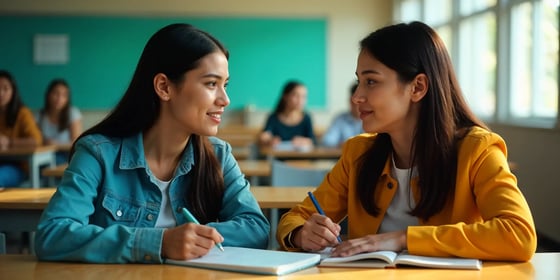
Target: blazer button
{"points": [[150, 217], [390, 185]]}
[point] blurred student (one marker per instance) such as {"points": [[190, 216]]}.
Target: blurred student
{"points": [[17, 130], [59, 121], [130, 176], [343, 126], [431, 178], [289, 123]]}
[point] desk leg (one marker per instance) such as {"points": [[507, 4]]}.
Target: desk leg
{"points": [[35, 163], [272, 243], [34, 166]]}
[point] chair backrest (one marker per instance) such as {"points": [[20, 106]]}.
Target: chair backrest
{"points": [[2, 243], [283, 174]]}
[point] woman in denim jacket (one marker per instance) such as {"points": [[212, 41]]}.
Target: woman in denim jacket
{"points": [[129, 176]]}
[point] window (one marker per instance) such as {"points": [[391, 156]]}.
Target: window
{"points": [[505, 53]]}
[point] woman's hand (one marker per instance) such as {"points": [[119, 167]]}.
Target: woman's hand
{"points": [[390, 241], [267, 139], [4, 142], [189, 241], [317, 233], [302, 142]]}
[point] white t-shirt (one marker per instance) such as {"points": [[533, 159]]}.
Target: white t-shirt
{"points": [[397, 217], [165, 219], [50, 130]]}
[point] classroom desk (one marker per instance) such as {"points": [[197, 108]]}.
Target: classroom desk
{"points": [[315, 153], [543, 266], [21, 208], [254, 167], [55, 171], [36, 157]]}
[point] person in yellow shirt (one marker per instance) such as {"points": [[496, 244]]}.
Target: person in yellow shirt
{"points": [[430, 178], [17, 129]]}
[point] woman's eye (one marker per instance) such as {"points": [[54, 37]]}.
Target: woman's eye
{"points": [[371, 82], [211, 84]]}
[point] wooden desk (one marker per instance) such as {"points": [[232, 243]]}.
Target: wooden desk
{"points": [[56, 171], [543, 266], [254, 167], [241, 152], [21, 208], [36, 157], [315, 153], [320, 164]]}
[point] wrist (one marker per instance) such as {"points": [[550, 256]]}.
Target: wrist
{"points": [[290, 239]]}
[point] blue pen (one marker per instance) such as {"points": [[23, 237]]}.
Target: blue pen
{"points": [[192, 219], [320, 210]]}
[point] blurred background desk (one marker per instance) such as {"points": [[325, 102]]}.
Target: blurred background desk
{"points": [[314, 153], [35, 156]]}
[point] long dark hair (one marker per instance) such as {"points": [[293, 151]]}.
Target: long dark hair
{"points": [[444, 118], [64, 117], [288, 88], [12, 109], [173, 51]]}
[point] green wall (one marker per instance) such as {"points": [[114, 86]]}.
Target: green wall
{"points": [[264, 54]]}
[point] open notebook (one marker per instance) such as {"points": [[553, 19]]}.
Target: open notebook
{"points": [[254, 261], [382, 259]]}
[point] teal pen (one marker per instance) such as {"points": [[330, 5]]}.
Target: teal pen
{"points": [[192, 219]]}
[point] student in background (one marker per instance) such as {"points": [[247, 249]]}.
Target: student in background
{"points": [[17, 129], [431, 178], [130, 175], [289, 123], [59, 121], [344, 126]]}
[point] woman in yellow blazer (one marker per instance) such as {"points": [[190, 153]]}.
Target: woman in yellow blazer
{"points": [[429, 177], [17, 129]]}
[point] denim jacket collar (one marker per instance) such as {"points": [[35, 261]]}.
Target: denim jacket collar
{"points": [[132, 155]]}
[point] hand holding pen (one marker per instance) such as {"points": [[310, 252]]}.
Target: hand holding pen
{"points": [[192, 219], [320, 210]]}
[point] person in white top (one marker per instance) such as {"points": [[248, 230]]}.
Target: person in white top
{"points": [[344, 126], [59, 121]]}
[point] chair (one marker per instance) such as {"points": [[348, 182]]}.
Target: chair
{"points": [[284, 175], [2, 243]]}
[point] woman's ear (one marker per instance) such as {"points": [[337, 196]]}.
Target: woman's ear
{"points": [[419, 87], [162, 86]]}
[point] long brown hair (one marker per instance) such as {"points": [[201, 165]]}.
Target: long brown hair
{"points": [[173, 50], [444, 118], [64, 117]]}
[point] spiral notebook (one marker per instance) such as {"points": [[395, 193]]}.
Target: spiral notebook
{"points": [[253, 261]]}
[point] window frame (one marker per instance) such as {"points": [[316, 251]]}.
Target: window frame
{"points": [[502, 11]]}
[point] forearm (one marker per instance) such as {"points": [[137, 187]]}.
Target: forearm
{"points": [[23, 142], [68, 241], [496, 239]]}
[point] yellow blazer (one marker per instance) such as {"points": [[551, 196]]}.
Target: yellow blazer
{"points": [[24, 126], [488, 217]]}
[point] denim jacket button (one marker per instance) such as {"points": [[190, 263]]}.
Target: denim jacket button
{"points": [[147, 258], [150, 217], [119, 213], [179, 209]]}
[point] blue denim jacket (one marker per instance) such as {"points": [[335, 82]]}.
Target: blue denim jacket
{"points": [[106, 206]]}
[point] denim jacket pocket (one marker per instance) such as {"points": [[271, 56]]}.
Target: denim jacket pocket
{"points": [[123, 212]]}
